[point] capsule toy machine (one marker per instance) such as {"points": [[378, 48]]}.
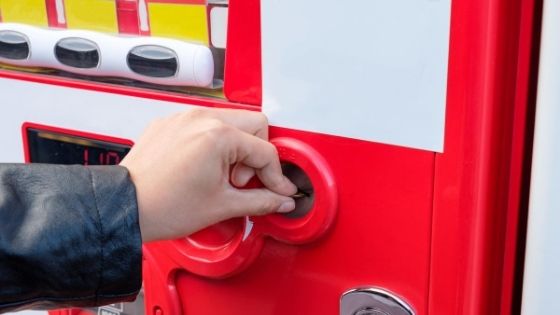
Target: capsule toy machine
{"points": [[404, 123]]}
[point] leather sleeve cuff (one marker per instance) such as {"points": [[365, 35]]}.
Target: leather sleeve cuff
{"points": [[121, 242], [69, 236]]}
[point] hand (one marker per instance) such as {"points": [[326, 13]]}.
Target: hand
{"points": [[181, 168]]}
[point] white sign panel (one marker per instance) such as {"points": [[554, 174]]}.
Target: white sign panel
{"points": [[366, 69]]}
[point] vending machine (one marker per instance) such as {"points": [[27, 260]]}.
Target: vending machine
{"points": [[407, 123]]}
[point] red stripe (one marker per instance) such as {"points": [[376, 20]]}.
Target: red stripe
{"points": [[127, 16], [52, 14], [242, 78]]}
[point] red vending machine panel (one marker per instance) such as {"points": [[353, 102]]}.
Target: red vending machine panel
{"points": [[404, 124]]}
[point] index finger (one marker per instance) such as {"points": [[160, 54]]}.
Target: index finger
{"points": [[262, 156]]}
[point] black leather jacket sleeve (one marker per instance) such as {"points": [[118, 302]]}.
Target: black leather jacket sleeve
{"points": [[69, 236]]}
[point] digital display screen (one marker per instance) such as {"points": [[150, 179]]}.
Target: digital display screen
{"points": [[58, 148]]}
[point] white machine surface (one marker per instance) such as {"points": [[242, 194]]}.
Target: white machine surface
{"points": [[541, 282], [76, 109]]}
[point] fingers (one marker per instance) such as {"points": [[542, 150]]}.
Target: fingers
{"points": [[254, 123], [241, 175], [263, 157], [257, 202]]}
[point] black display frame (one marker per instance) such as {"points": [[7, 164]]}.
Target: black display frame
{"points": [[55, 145]]}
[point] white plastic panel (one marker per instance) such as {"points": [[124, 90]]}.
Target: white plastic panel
{"points": [[372, 70], [541, 283], [90, 111], [218, 22]]}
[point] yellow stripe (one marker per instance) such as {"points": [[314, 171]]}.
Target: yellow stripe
{"points": [[32, 12], [95, 15], [26, 69], [188, 22]]}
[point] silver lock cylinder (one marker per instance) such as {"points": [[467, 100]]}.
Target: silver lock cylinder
{"points": [[373, 301]]}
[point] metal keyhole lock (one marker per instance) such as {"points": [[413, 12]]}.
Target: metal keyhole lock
{"points": [[373, 301]]}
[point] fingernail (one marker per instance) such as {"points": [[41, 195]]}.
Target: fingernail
{"points": [[287, 206]]}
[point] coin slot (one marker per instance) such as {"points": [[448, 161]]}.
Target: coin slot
{"points": [[305, 197]]}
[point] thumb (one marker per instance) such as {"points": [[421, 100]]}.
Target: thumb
{"points": [[260, 201]]}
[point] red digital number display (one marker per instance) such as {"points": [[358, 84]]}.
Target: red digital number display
{"points": [[103, 158]]}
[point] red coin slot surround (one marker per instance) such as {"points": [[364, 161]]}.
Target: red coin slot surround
{"points": [[229, 247], [319, 219]]}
